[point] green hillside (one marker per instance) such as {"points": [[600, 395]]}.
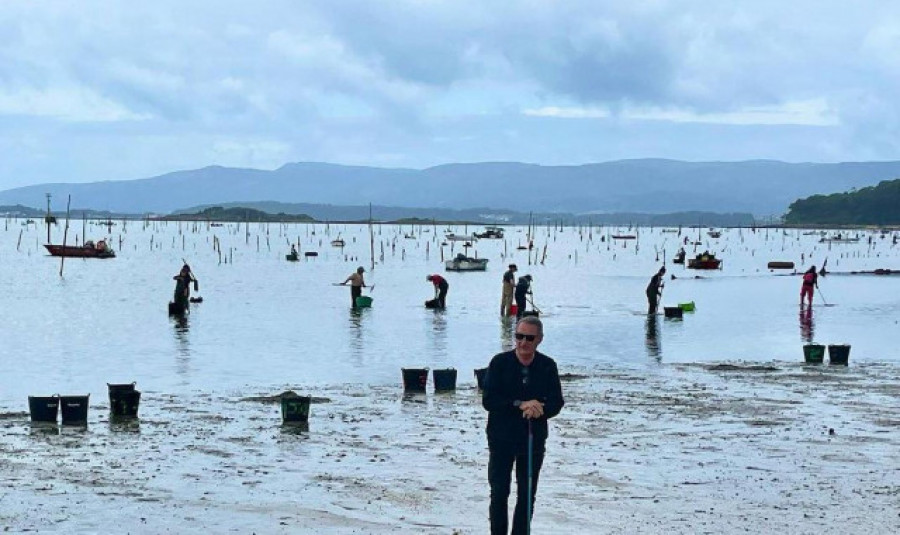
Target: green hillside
{"points": [[874, 205], [240, 214]]}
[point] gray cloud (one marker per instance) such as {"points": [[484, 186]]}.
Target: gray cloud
{"points": [[149, 88]]}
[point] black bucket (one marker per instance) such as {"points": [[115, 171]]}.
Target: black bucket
{"points": [[444, 380], [673, 312], [295, 409], [74, 409], [123, 400], [839, 354], [814, 353], [43, 409], [415, 379], [480, 374]]}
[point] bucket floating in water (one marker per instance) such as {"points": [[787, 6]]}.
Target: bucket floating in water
{"points": [[444, 380], [123, 400], [513, 310], [363, 301], [480, 373], [414, 379], [686, 307], [673, 312], [43, 409], [813, 353], [295, 409], [839, 354], [74, 409]]}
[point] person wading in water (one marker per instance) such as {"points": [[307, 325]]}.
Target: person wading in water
{"points": [[654, 290], [810, 281]]}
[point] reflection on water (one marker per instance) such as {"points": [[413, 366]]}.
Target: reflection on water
{"points": [[439, 324], [41, 428], [806, 324], [414, 397], [651, 337], [295, 428], [181, 330], [356, 333], [122, 424]]}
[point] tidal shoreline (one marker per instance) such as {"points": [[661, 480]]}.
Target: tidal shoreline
{"points": [[682, 448]]}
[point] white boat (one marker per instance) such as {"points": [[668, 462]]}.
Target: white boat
{"points": [[491, 233], [465, 263], [457, 237]]}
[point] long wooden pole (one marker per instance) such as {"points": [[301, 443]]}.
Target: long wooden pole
{"points": [[371, 239], [62, 259]]}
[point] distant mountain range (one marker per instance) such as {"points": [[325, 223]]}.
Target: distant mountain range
{"points": [[648, 186]]}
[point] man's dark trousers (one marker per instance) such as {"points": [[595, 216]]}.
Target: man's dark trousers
{"points": [[502, 457]]}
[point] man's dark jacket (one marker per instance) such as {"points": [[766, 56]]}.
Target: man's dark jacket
{"points": [[506, 383]]}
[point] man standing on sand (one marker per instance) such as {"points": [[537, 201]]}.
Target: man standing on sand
{"points": [[521, 392], [654, 289], [357, 283], [509, 285]]}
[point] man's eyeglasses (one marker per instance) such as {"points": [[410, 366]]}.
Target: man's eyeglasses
{"points": [[527, 337]]}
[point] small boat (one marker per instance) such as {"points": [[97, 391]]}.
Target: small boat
{"points": [[679, 257], [838, 239], [465, 263], [714, 234], [491, 233], [777, 264], [292, 257], [705, 260], [623, 237], [88, 250], [456, 237], [310, 254], [338, 242]]}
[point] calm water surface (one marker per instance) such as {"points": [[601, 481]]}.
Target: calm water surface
{"points": [[266, 322]]}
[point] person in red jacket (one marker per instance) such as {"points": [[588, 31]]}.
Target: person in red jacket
{"points": [[440, 289], [810, 281]]}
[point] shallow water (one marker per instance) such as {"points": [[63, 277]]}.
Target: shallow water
{"points": [[268, 321], [657, 431]]}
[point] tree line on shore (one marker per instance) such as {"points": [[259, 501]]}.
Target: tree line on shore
{"points": [[873, 205]]}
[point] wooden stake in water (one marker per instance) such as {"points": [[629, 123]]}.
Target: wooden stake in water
{"points": [[372, 241], [62, 259]]}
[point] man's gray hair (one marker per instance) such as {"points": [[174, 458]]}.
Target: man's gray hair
{"points": [[532, 320]]}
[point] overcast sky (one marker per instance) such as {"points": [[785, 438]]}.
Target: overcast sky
{"points": [[109, 90]]}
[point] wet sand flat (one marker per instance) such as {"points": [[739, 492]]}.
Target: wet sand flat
{"points": [[683, 448]]}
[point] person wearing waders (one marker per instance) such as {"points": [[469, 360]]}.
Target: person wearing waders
{"points": [[357, 283], [521, 393], [183, 286], [523, 290], [810, 281], [509, 286], [440, 289], [654, 289]]}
